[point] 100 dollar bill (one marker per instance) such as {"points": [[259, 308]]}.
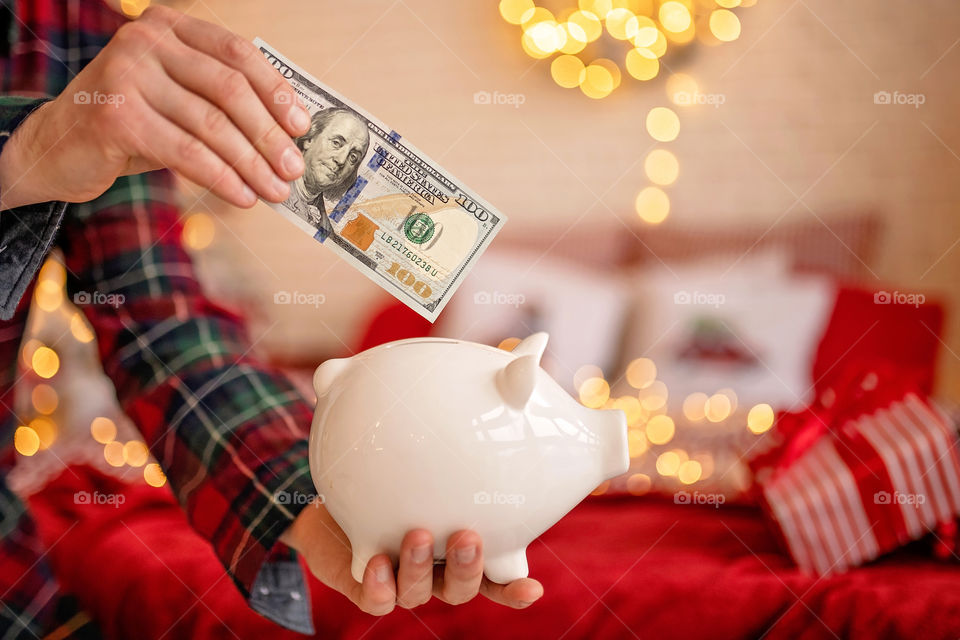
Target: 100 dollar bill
{"points": [[383, 206]]}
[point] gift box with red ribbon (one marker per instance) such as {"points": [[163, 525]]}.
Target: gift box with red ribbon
{"points": [[871, 465]]}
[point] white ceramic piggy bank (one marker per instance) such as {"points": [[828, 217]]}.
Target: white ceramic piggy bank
{"points": [[445, 435]]}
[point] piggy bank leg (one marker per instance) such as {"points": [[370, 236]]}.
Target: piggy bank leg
{"points": [[505, 567], [359, 563]]}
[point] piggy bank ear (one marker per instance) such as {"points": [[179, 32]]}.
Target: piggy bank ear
{"points": [[327, 372], [533, 345], [517, 380]]}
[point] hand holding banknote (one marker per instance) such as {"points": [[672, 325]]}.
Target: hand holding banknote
{"points": [[170, 91]]}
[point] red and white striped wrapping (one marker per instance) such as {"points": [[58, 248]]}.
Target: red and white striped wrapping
{"points": [[886, 478]]}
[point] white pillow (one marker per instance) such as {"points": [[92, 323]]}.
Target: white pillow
{"points": [[744, 324]]}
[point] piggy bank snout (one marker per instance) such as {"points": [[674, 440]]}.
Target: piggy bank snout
{"points": [[327, 373]]}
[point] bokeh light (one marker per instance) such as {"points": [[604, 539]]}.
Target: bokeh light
{"points": [[661, 167], [689, 472], [198, 231], [26, 441], [154, 475], [695, 406], [507, 344], [642, 64], [515, 11], [133, 8], [610, 66], [567, 71], [48, 295], [113, 453], [663, 124], [718, 407], [135, 453], [724, 25], [597, 82], [760, 418], [668, 463], [594, 392], [45, 362], [547, 36], [660, 429], [653, 397], [641, 372], [675, 17], [44, 399], [103, 429], [653, 205], [639, 484]]}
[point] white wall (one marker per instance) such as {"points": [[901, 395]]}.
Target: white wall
{"points": [[799, 121]]}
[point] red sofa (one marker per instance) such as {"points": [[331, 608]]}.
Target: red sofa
{"points": [[615, 567]]}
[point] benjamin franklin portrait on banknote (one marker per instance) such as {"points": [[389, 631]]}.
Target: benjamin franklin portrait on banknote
{"points": [[333, 150]]}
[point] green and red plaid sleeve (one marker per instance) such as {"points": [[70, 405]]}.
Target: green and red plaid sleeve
{"points": [[229, 430]]}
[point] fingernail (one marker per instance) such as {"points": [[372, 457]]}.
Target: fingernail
{"points": [[420, 554], [382, 573], [466, 555], [291, 161], [280, 187], [299, 118], [249, 195]]}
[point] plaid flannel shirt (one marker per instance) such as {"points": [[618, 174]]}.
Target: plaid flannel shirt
{"points": [[229, 430]]}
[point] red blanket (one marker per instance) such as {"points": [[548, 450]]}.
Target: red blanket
{"points": [[613, 568]]}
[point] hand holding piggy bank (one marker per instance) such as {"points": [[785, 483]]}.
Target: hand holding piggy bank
{"points": [[447, 435]]}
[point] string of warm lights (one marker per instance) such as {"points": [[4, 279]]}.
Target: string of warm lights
{"points": [[641, 32], [650, 429]]}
